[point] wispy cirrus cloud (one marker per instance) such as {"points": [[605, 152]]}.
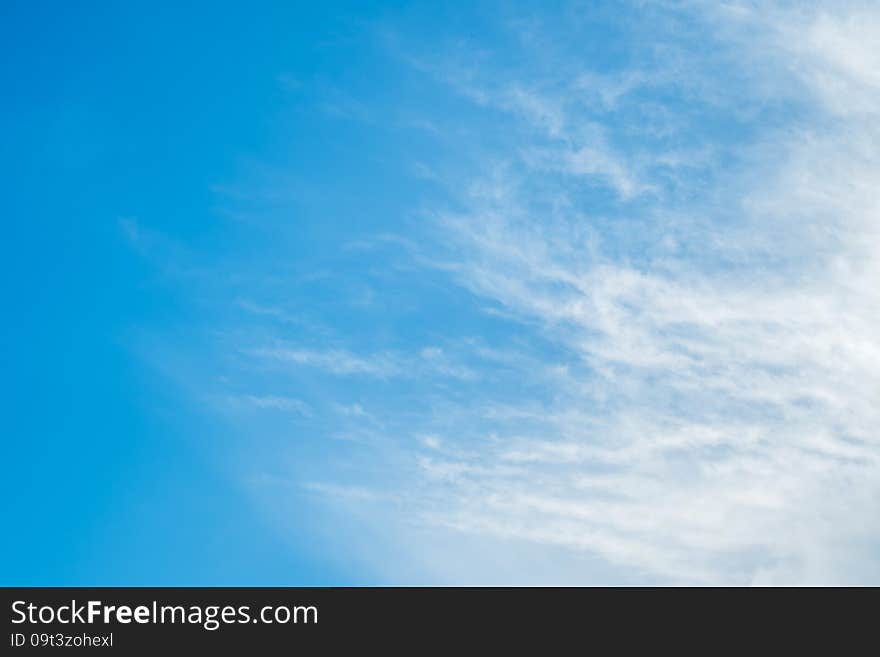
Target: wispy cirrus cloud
{"points": [[712, 405], [654, 356]]}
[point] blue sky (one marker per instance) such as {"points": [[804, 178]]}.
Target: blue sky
{"points": [[432, 293]]}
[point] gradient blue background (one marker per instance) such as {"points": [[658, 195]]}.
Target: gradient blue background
{"points": [[112, 110]]}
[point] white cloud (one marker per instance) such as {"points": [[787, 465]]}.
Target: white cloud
{"points": [[829, 46], [681, 381], [712, 408]]}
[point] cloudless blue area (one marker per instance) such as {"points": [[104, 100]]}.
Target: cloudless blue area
{"points": [[113, 111]]}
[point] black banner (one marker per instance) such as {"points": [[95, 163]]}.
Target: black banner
{"points": [[149, 620]]}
